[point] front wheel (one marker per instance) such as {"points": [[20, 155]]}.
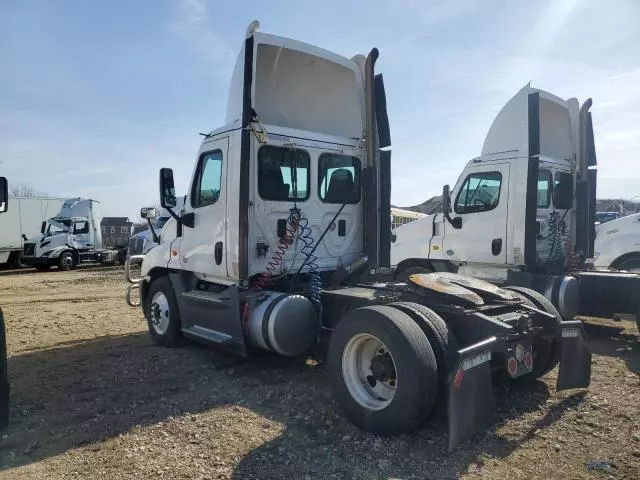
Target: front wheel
{"points": [[382, 370], [161, 311], [66, 261]]}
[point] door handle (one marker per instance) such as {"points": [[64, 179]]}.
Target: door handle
{"points": [[218, 253], [496, 246]]}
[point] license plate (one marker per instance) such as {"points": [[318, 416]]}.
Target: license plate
{"points": [[570, 332], [476, 360]]}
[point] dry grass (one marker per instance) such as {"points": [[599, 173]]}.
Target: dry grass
{"points": [[93, 398]]}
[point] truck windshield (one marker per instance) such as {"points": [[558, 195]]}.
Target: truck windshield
{"points": [[51, 228]]}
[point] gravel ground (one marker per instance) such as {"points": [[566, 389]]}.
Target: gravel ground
{"points": [[92, 397]]}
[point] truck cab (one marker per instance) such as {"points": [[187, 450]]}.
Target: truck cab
{"points": [[523, 205]]}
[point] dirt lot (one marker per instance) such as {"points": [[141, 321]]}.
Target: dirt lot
{"points": [[93, 398]]}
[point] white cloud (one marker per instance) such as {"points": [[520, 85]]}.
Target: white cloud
{"points": [[194, 22]]}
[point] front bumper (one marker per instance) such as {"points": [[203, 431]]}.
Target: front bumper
{"points": [[132, 290], [38, 261], [470, 398]]}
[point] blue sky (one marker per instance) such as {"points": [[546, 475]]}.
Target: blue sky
{"points": [[95, 97]]}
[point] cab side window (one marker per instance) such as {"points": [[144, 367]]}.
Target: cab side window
{"points": [[81, 227], [283, 174], [544, 188], [480, 192], [208, 182], [338, 178]]}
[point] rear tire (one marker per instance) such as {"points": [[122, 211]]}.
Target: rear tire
{"points": [[545, 352], [443, 342], [414, 381], [162, 314]]}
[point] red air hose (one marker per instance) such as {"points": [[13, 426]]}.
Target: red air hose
{"points": [[278, 256]]}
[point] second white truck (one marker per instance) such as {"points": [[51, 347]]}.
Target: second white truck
{"points": [[523, 212], [71, 237]]}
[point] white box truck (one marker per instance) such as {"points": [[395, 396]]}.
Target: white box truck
{"points": [[23, 220]]}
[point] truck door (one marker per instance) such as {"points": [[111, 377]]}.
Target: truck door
{"points": [[481, 200], [203, 247]]}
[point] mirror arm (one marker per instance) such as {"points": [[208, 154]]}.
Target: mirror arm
{"points": [[156, 239], [454, 222]]}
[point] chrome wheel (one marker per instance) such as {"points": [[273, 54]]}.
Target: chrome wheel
{"points": [[369, 371], [159, 313]]}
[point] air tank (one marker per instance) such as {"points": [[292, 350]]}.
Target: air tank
{"points": [[283, 323]]}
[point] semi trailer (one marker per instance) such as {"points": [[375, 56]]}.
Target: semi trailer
{"points": [[283, 246], [523, 213], [21, 222], [71, 237], [5, 387]]}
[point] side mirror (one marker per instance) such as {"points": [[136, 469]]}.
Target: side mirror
{"points": [[446, 199], [167, 189], [446, 208], [43, 225], [4, 195], [148, 213]]}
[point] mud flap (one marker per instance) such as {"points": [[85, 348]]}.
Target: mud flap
{"points": [[470, 402], [574, 370]]}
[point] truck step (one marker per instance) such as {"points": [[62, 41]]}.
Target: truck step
{"points": [[207, 334], [204, 296]]}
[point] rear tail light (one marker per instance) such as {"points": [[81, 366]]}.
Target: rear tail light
{"points": [[512, 366], [528, 361]]}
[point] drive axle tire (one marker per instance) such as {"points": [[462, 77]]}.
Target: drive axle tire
{"points": [[161, 312], [442, 340], [66, 261], [382, 370], [545, 352]]}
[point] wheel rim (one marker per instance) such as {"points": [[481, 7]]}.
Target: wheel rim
{"points": [[67, 260], [160, 313], [369, 371]]}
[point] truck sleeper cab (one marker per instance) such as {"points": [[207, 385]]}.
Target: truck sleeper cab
{"points": [[284, 238]]}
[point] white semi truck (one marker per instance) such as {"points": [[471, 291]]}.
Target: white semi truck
{"points": [[71, 237], [22, 222], [617, 245], [283, 246], [523, 212]]}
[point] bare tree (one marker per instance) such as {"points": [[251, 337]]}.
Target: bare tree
{"points": [[24, 190]]}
